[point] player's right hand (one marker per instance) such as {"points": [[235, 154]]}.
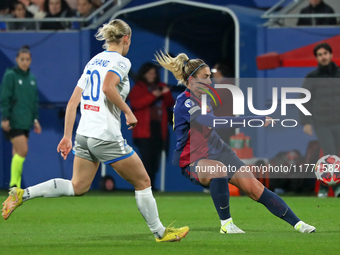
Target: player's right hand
{"points": [[131, 120], [269, 120], [308, 129], [5, 125], [64, 147]]}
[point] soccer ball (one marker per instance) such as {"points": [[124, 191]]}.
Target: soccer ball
{"points": [[327, 170]]}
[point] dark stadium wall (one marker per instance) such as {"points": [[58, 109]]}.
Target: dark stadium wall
{"points": [[4, 153]]}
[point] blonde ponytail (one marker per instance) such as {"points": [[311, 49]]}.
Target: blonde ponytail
{"points": [[180, 66]]}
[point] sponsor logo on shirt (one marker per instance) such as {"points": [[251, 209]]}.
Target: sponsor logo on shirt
{"points": [[91, 107], [194, 109], [118, 70], [32, 83], [20, 82]]}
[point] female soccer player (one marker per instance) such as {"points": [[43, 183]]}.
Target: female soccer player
{"points": [[198, 147], [19, 109], [102, 90]]}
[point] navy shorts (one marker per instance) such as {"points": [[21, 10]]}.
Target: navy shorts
{"points": [[227, 157], [16, 132]]}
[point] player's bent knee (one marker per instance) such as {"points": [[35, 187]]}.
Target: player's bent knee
{"points": [[79, 188], [22, 152], [205, 181], [254, 189], [143, 183]]}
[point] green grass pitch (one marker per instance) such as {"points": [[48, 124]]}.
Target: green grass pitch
{"points": [[110, 223]]}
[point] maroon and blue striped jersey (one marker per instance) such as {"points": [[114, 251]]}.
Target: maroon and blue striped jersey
{"points": [[194, 140]]}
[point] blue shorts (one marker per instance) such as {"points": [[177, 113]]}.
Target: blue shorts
{"points": [[227, 157]]}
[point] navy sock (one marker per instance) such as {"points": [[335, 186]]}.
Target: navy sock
{"points": [[278, 207], [219, 191]]}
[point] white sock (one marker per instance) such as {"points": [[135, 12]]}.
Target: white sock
{"points": [[223, 222], [148, 208], [51, 188]]}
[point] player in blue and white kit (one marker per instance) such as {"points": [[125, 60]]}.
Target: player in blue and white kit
{"points": [[199, 147], [101, 92]]}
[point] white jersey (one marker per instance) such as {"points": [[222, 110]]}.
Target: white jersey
{"points": [[99, 117]]}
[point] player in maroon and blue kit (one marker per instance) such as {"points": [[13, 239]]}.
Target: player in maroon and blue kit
{"points": [[199, 146]]}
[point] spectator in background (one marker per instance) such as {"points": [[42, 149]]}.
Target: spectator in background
{"points": [[222, 74], [317, 7], [36, 7], [57, 9], [73, 4], [324, 105], [150, 99], [19, 110], [5, 6], [98, 3], [85, 9], [19, 11]]}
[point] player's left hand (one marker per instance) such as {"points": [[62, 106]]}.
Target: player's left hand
{"points": [[37, 127], [269, 120], [131, 120], [64, 147]]}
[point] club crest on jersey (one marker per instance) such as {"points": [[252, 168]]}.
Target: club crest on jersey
{"points": [[189, 103], [122, 65]]}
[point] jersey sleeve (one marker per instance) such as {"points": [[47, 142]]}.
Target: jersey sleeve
{"points": [[83, 79], [189, 109], [6, 95], [121, 67]]}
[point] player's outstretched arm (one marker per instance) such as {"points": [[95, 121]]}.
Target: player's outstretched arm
{"points": [[269, 121], [65, 144]]}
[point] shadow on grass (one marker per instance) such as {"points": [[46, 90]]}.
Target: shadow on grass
{"points": [[206, 229], [118, 237]]}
